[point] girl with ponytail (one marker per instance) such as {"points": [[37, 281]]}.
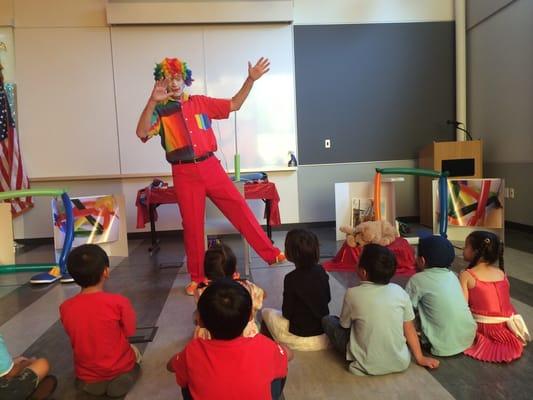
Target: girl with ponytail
{"points": [[501, 333]]}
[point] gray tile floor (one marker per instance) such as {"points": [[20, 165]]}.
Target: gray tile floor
{"points": [[29, 323]]}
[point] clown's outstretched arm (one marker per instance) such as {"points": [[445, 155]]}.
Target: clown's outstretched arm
{"points": [[260, 68], [159, 93]]}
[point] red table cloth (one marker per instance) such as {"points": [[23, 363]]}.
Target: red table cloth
{"points": [[167, 195]]}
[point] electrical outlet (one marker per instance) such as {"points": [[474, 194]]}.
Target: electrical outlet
{"points": [[327, 143], [511, 193]]}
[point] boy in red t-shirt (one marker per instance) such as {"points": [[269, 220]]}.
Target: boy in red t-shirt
{"points": [[99, 324], [229, 366]]}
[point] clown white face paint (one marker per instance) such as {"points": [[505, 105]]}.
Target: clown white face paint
{"points": [[176, 86]]}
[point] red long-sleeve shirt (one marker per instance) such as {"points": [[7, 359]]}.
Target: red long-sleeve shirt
{"points": [[99, 325]]}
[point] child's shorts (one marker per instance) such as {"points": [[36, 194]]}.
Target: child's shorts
{"points": [[20, 386]]}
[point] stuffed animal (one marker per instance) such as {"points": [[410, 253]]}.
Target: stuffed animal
{"points": [[377, 232]]}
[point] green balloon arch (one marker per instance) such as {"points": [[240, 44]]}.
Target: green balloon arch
{"points": [[443, 191], [69, 228]]}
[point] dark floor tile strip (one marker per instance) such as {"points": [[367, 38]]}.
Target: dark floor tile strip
{"points": [[466, 378], [54, 345], [20, 298], [521, 290], [519, 240]]}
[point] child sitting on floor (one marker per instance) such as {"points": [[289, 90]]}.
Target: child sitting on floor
{"points": [[306, 295], [376, 320], [24, 378], [229, 366], [99, 324], [501, 334], [446, 321], [220, 262]]}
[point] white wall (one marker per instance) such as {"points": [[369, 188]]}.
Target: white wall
{"points": [[316, 187], [479, 10], [318, 12], [6, 12], [500, 95], [501, 83], [28, 14], [7, 57]]}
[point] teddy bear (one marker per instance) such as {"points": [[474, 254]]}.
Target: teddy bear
{"points": [[377, 232]]}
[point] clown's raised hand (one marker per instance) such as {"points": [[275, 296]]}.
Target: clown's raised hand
{"points": [[160, 92], [260, 68]]}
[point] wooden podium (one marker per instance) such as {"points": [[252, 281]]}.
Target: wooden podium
{"points": [[461, 159]]}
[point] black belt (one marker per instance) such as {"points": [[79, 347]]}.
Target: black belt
{"points": [[194, 160]]}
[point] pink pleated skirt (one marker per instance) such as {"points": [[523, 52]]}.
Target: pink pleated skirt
{"points": [[495, 343]]}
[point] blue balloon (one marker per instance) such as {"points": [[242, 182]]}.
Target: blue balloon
{"points": [[443, 205], [69, 232]]}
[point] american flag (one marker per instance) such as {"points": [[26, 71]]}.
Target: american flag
{"points": [[12, 175]]}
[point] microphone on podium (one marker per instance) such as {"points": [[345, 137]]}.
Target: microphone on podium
{"points": [[457, 125]]}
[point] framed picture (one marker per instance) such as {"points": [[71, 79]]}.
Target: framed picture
{"points": [[362, 210], [96, 220], [475, 202]]}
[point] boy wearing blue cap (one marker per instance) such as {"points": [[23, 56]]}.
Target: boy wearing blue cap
{"points": [[446, 320]]}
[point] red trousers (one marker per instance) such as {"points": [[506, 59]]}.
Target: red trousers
{"points": [[193, 183]]}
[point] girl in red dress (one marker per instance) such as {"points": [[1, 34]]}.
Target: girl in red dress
{"points": [[486, 289]]}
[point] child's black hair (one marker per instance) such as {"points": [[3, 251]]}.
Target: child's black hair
{"points": [[86, 264], [219, 262], [487, 247], [378, 262], [225, 307], [302, 248]]}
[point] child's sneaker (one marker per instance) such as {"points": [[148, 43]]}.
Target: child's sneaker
{"points": [[66, 278], [47, 277], [191, 288]]}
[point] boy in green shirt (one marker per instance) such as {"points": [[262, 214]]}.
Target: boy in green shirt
{"points": [[375, 330], [445, 318]]}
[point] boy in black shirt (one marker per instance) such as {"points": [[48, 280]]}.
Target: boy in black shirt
{"points": [[306, 296]]}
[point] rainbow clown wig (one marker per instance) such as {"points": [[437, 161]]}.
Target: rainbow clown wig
{"points": [[172, 66]]}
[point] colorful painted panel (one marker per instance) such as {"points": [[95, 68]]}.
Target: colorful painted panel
{"points": [[96, 220], [475, 202]]}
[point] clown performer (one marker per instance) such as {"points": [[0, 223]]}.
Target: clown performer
{"points": [[183, 123]]}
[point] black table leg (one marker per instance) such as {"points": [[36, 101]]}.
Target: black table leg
{"points": [[154, 248], [267, 214], [155, 241]]}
